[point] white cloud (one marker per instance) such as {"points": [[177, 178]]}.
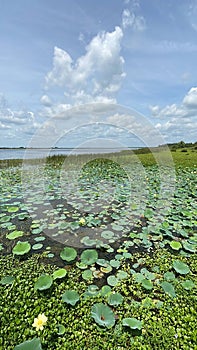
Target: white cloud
{"points": [[98, 73], [45, 100], [190, 100], [130, 19], [178, 121]]}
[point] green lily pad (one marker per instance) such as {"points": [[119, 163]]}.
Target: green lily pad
{"points": [[89, 256], [189, 247], [175, 245], [147, 284], [87, 275], [21, 248], [169, 276], [33, 344], [60, 329], [168, 289], [107, 234], [60, 273], [115, 299], [43, 282], [188, 284], [115, 263], [112, 280], [68, 254], [7, 280], [13, 209], [37, 246], [14, 234], [103, 315], [181, 267], [105, 290], [132, 323], [70, 297]]}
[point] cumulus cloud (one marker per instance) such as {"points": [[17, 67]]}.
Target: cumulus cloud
{"points": [[178, 121], [190, 100], [97, 74]]}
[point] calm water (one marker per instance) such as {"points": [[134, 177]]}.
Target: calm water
{"points": [[42, 153]]}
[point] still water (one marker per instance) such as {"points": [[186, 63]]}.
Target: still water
{"points": [[21, 153]]}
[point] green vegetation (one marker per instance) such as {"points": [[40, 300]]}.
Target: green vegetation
{"points": [[100, 253]]}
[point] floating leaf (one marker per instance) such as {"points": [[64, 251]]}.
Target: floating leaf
{"points": [[175, 245], [107, 234], [7, 280], [188, 284], [105, 290], [60, 329], [168, 289], [115, 263], [189, 247], [37, 246], [181, 267], [89, 256], [33, 344], [70, 297], [21, 248], [68, 254], [43, 282], [115, 299], [121, 275], [133, 323], [169, 276], [13, 209], [60, 273], [103, 315], [14, 234], [87, 275], [112, 280], [39, 238], [147, 284]]}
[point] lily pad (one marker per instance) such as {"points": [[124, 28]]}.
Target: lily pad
{"points": [[168, 289], [112, 280], [43, 282], [147, 284], [13, 209], [103, 315], [7, 280], [37, 246], [14, 234], [68, 254], [87, 275], [175, 245], [33, 344], [181, 267], [115, 299], [60, 273], [132, 323], [89, 256], [21, 248], [70, 297], [60, 329], [188, 284]]}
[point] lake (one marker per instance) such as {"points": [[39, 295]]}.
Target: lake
{"points": [[20, 153]]}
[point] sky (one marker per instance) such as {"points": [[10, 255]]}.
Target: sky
{"points": [[120, 71]]}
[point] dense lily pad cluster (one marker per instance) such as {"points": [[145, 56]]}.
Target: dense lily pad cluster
{"points": [[124, 256]]}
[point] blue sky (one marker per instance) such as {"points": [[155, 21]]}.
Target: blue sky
{"points": [[56, 55]]}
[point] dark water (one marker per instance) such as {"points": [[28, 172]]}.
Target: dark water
{"points": [[18, 153]]}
